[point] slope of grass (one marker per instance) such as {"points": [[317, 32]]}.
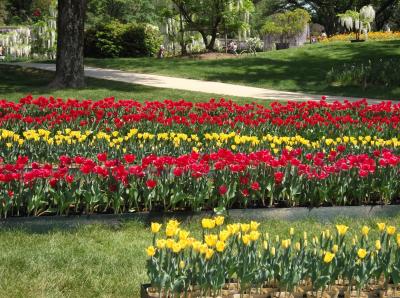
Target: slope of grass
{"points": [[17, 82], [101, 261], [299, 69]]}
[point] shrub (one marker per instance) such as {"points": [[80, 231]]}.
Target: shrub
{"points": [[140, 40], [122, 40]]}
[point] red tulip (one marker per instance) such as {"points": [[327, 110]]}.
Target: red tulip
{"points": [[222, 189], [278, 176], [151, 184]]}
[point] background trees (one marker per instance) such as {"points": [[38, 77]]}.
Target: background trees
{"points": [[210, 17]]}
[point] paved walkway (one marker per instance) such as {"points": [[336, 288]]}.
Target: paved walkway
{"points": [[193, 85]]}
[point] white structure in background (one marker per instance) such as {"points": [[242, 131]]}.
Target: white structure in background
{"points": [[39, 40]]}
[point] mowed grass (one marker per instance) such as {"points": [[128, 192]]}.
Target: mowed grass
{"points": [[17, 82], [301, 69], [104, 261]]}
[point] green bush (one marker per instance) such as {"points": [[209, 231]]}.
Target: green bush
{"points": [[122, 40]]}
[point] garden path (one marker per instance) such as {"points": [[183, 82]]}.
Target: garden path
{"points": [[193, 85]]}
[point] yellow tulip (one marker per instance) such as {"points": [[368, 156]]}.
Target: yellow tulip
{"points": [[381, 226], [196, 246], [169, 243], [155, 227], [285, 243], [391, 230], [328, 257], [161, 243], [176, 247], [211, 239], [151, 251], [208, 223], [297, 246], [342, 229], [365, 231], [219, 220], [335, 248], [246, 239], [171, 231], [254, 225], [203, 248], [291, 231], [273, 251], [209, 253], [245, 228], [183, 235], [220, 246], [362, 253], [378, 245], [223, 235], [254, 235], [181, 265], [265, 244]]}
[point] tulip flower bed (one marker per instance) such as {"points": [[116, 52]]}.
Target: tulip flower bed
{"points": [[117, 156], [237, 260]]}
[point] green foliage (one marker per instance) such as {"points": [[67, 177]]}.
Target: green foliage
{"points": [[122, 40], [125, 11], [287, 24], [234, 14], [3, 13]]}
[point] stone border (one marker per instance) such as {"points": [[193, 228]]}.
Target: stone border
{"points": [[322, 214]]}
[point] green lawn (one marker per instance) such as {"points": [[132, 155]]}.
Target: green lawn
{"points": [[100, 261], [299, 69], [17, 82]]}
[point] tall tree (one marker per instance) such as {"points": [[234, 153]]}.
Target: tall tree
{"points": [[70, 41], [3, 13], [209, 17]]}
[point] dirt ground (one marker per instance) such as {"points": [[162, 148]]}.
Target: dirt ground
{"points": [[212, 56]]}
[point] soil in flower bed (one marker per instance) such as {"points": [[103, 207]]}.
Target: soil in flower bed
{"points": [[230, 290]]}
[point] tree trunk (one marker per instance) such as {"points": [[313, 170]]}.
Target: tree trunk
{"points": [[204, 36], [182, 40], [70, 42], [211, 44]]}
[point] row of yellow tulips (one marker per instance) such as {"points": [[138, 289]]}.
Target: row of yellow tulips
{"points": [[180, 263]]}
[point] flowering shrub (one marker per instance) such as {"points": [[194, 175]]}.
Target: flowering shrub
{"points": [[371, 36], [115, 156], [239, 258]]}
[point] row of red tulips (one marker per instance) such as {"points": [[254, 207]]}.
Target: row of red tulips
{"points": [[111, 114], [198, 181]]}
